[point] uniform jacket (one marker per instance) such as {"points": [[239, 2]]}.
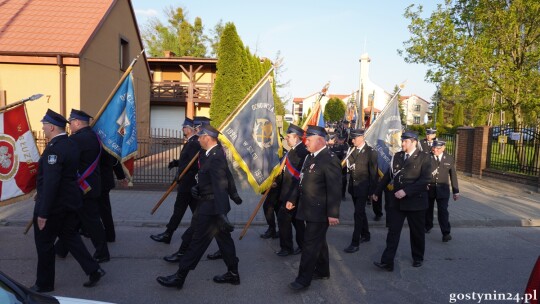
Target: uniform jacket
{"points": [[320, 187], [190, 149], [214, 182], [86, 140], [107, 165], [289, 184], [57, 187], [340, 150], [412, 176], [426, 147], [441, 176], [363, 173]]}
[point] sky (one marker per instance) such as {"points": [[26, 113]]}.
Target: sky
{"points": [[319, 41]]}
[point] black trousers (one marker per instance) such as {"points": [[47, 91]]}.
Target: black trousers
{"points": [[416, 221], [105, 213], [377, 207], [388, 203], [205, 228], [361, 228], [183, 200], [343, 184], [91, 223], [271, 207], [315, 258], [65, 227], [442, 214], [287, 219]]}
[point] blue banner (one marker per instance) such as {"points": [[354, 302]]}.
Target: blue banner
{"points": [[252, 137], [384, 135], [117, 125]]}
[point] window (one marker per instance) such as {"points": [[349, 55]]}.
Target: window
{"points": [[124, 54], [417, 108], [417, 120]]}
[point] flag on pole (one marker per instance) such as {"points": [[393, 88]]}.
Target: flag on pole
{"points": [[19, 154], [384, 135], [251, 136], [117, 128]]}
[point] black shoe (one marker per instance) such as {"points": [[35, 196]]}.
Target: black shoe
{"points": [[428, 230], [364, 240], [297, 251], [384, 266], [297, 286], [269, 234], [229, 277], [284, 253], [215, 256], [417, 264], [102, 259], [36, 288], [175, 257], [317, 276], [351, 249], [377, 218], [164, 237], [176, 280], [446, 238], [61, 256], [94, 277]]}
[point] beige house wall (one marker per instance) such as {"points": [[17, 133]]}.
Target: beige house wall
{"points": [[24, 80], [100, 65]]}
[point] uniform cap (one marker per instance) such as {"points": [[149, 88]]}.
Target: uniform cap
{"points": [[316, 130], [208, 130], [409, 135], [78, 114], [188, 122], [438, 143], [357, 132], [431, 131], [295, 129], [54, 118], [201, 120]]}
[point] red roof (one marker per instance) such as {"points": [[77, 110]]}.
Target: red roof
{"points": [[50, 26]]}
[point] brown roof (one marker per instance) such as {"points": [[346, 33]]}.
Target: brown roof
{"points": [[49, 26]]}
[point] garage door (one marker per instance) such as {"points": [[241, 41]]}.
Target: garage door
{"points": [[166, 118]]}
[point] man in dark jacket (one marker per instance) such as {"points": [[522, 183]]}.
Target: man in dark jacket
{"points": [[444, 172], [57, 201], [427, 143], [210, 218], [318, 204], [109, 167], [362, 165], [409, 173], [183, 197]]}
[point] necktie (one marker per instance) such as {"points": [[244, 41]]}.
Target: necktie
{"points": [[406, 156], [438, 160]]}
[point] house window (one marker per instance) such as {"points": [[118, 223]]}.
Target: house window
{"points": [[124, 54], [417, 108], [417, 120]]}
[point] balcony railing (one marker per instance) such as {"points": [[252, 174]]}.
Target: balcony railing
{"points": [[174, 91]]}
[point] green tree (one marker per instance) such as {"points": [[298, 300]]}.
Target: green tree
{"points": [[213, 39], [457, 120], [334, 109], [440, 117]]}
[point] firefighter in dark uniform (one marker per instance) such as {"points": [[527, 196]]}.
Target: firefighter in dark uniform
{"points": [[271, 209], [410, 173], [109, 166], [289, 192], [57, 201], [340, 149], [444, 173], [210, 218], [183, 197], [362, 165], [318, 205], [90, 184], [426, 143]]}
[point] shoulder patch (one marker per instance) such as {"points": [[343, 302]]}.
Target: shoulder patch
{"points": [[51, 159]]}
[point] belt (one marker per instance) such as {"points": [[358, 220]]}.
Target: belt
{"points": [[206, 197]]}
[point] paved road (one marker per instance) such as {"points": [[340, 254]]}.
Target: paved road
{"points": [[496, 242]]}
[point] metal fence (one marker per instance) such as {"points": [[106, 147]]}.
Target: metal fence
{"points": [[450, 140], [515, 150]]}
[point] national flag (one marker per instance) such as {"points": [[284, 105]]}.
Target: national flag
{"points": [[116, 126], [19, 154], [384, 135], [252, 137]]}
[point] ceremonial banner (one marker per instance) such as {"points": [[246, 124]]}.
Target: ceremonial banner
{"points": [[19, 154], [117, 126], [251, 136], [384, 135]]}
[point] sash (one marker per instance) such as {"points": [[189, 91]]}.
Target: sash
{"points": [[291, 169], [83, 184]]}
